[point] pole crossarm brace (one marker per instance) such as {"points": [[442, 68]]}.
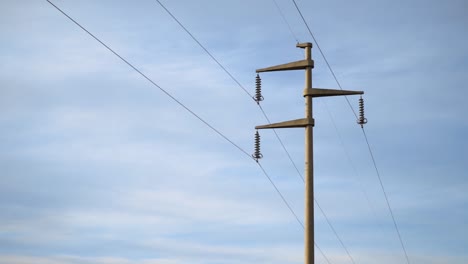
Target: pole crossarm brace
{"points": [[296, 65], [302, 122], [319, 92]]}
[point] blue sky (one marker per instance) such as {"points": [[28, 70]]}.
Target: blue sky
{"points": [[99, 166]]}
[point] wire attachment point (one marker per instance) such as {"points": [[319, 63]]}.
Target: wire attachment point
{"points": [[258, 90], [257, 154], [361, 120]]}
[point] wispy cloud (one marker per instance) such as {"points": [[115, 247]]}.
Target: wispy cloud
{"points": [[98, 166]]}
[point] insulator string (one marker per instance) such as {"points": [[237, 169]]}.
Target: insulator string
{"points": [[257, 154], [258, 90], [361, 120]]}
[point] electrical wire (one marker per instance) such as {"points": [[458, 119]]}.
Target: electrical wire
{"points": [[191, 112], [334, 231], [206, 50], [352, 166], [282, 145], [363, 131], [318, 204], [281, 195], [385, 194], [292, 211], [151, 81], [286, 21], [324, 58]]}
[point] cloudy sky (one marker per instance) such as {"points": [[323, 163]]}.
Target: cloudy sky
{"points": [[97, 165]]}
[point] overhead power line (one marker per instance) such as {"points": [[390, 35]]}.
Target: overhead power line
{"points": [[286, 21], [352, 165], [292, 211], [324, 58], [206, 50], [151, 81], [282, 145], [334, 231], [363, 131], [385, 194], [191, 112]]}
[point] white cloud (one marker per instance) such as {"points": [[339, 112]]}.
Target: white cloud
{"points": [[91, 152]]}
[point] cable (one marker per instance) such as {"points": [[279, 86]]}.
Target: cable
{"points": [[318, 205], [281, 195], [324, 58], [282, 145], [207, 52], [363, 131], [152, 82], [334, 231], [286, 21], [385, 194], [352, 165], [292, 211], [321, 252]]}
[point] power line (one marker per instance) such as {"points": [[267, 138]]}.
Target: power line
{"points": [[385, 194], [363, 131], [191, 112], [321, 210], [206, 50], [291, 210], [324, 58], [352, 165], [281, 195], [334, 231], [282, 145], [318, 205], [286, 21], [151, 81]]}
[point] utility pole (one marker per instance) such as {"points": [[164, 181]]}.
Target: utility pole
{"points": [[308, 123]]}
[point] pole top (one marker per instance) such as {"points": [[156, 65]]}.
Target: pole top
{"points": [[304, 45]]}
